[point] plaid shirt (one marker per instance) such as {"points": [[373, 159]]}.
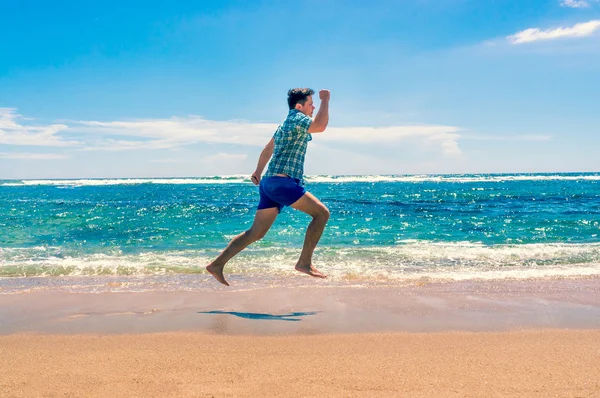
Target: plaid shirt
{"points": [[291, 140]]}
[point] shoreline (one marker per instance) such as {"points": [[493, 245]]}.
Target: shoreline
{"points": [[318, 309]]}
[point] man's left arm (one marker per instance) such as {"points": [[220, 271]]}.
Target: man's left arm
{"points": [[263, 159]]}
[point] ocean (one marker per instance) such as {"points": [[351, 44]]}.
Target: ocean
{"points": [[96, 235]]}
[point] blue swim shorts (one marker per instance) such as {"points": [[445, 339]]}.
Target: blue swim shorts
{"points": [[279, 191]]}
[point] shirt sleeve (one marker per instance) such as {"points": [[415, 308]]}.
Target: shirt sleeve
{"points": [[304, 123]]}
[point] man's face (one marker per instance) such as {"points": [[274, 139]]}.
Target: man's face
{"points": [[308, 108]]}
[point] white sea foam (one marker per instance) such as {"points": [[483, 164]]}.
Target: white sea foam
{"points": [[453, 178], [407, 261], [245, 179], [131, 181]]}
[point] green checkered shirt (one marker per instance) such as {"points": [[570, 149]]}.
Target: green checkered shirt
{"points": [[291, 140]]}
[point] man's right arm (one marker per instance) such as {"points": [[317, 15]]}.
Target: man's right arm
{"points": [[263, 159], [319, 123]]}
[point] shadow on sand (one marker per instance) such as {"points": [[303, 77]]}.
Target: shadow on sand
{"points": [[293, 316]]}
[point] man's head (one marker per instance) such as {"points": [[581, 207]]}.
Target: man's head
{"points": [[301, 100]]}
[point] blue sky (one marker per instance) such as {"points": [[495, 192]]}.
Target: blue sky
{"points": [[159, 89]]}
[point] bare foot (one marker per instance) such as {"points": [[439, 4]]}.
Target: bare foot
{"points": [[217, 272], [310, 270]]}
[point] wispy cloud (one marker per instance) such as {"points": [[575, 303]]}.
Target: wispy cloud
{"points": [[12, 132], [167, 161], [443, 136], [110, 144], [575, 3], [535, 34], [176, 132], [226, 157], [526, 137], [31, 156]]}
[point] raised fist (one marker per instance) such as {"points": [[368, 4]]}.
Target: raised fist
{"points": [[324, 95]]}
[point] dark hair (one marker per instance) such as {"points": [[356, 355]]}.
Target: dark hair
{"points": [[298, 96]]}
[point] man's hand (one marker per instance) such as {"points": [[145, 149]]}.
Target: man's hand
{"points": [[255, 178], [324, 95]]}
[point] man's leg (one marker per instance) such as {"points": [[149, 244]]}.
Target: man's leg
{"points": [[262, 223], [312, 206]]}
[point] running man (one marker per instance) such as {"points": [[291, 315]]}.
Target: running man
{"points": [[283, 183]]}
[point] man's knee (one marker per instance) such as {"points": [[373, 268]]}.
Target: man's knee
{"points": [[256, 234], [323, 213]]}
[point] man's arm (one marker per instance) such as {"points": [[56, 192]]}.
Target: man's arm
{"points": [[263, 159], [319, 124]]}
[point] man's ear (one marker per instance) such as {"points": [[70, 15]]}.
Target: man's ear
{"points": [[298, 106]]}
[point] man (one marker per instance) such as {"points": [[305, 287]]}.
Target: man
{"points": [[283, 183]]}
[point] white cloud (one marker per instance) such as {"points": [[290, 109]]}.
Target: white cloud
{"points": [[225, 157], [31, 156], [124, 145], [166, 161], [176, 132], [443, 136], [12, 132], [526, 137], [535, 34], [575, 3], [334, 161]]}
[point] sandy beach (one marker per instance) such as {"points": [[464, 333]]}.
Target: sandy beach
{"points": [[502, 338], [515, 364]]}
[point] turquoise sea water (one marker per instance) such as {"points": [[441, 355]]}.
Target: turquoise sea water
{"points": [[382, 228]]}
